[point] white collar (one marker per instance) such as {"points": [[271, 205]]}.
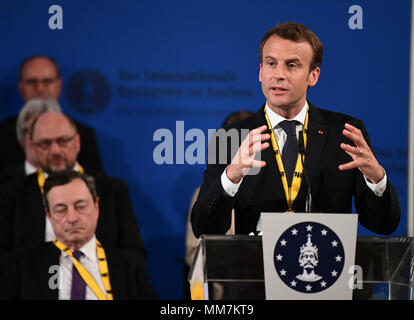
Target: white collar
{"points": [[88, 249], [29, 168], [275, 118]]}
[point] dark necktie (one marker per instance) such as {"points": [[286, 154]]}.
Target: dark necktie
{"points": [[78, 285], [290, 149]]}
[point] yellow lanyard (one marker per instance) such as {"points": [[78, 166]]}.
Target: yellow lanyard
{"points": [[41, 177], [86, 276], [292, 192]]}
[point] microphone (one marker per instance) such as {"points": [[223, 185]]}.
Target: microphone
{"points": [[301, 149]]}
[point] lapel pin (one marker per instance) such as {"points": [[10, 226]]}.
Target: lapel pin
{"points": [[320, 132]]}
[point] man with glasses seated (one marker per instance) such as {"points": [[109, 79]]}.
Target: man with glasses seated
{"points": [[39, 78], [55, 143], [75, 265], [30, 111]]}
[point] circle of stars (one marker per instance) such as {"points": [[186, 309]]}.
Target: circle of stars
{"points": [[331, 256]]}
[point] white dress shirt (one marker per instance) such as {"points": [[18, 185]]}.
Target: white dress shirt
{"points": [[230, 188], [89, 260], [29, 168]]}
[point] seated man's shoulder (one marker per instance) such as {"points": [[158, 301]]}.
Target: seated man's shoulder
{"points": [[107, 183], [83, 128], [11, 172], [8, 123], [133, 267], [19, 185], [32, 254], [103, 178]]}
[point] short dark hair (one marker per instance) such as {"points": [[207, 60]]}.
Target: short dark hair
{"points": [[296, 32], [28, 59], [63, 177]]}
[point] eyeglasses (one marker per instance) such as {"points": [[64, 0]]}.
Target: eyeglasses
{"points": [[63, 142], [35, 82]]}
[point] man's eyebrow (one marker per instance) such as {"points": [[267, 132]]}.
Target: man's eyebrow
{"points": [[296, 60], [290, 60]]}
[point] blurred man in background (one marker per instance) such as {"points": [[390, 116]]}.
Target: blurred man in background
{"points": [[30, 111], [55, 143], [39, 78]]}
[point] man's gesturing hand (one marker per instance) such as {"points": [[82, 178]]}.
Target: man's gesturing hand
{"points": [[362, 156], [244, 158]]}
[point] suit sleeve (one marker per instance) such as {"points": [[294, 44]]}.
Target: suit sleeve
{"points": [[9, 277], [378, 214], [145, 289], [6, 217]]}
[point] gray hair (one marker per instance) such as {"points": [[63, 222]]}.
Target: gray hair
{"points": [[30, 111]]}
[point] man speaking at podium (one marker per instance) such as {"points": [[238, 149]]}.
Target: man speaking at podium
{"points": [[296, 157]]}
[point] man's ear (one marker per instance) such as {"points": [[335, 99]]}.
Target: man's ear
{"points": [[260, 73], [314, 76], [59, 90], [78, 142], [47, 214], [97, 205]]}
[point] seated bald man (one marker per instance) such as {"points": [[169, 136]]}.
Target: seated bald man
{"points": [[74, 265]]}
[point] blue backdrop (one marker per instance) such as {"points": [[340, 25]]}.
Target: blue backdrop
{"points": [[132, 67]]}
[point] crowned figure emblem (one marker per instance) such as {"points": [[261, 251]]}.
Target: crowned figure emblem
{"points": [[308, 260]]}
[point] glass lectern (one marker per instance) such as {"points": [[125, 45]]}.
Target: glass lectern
{"points": [[231, 267]]}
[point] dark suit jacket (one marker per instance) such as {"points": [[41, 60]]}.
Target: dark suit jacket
{"points": [[11, 171], [22, 216], [332, 189], [28, 275], [11, 153]]}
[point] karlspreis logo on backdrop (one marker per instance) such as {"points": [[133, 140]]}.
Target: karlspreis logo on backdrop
{"points": [[88, 91]]}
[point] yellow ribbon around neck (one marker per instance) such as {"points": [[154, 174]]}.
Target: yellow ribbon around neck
{"points": [[86, 276], [290, 192], [41, 177]]}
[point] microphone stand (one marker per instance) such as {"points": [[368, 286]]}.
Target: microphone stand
{"points": [[308, 202]]}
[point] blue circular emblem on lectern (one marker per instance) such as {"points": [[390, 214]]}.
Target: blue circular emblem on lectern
{"points": [[88, 91], [309, 257]]}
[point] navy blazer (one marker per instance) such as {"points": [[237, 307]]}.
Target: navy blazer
{"points": [[332, 189], [27, 275]]}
